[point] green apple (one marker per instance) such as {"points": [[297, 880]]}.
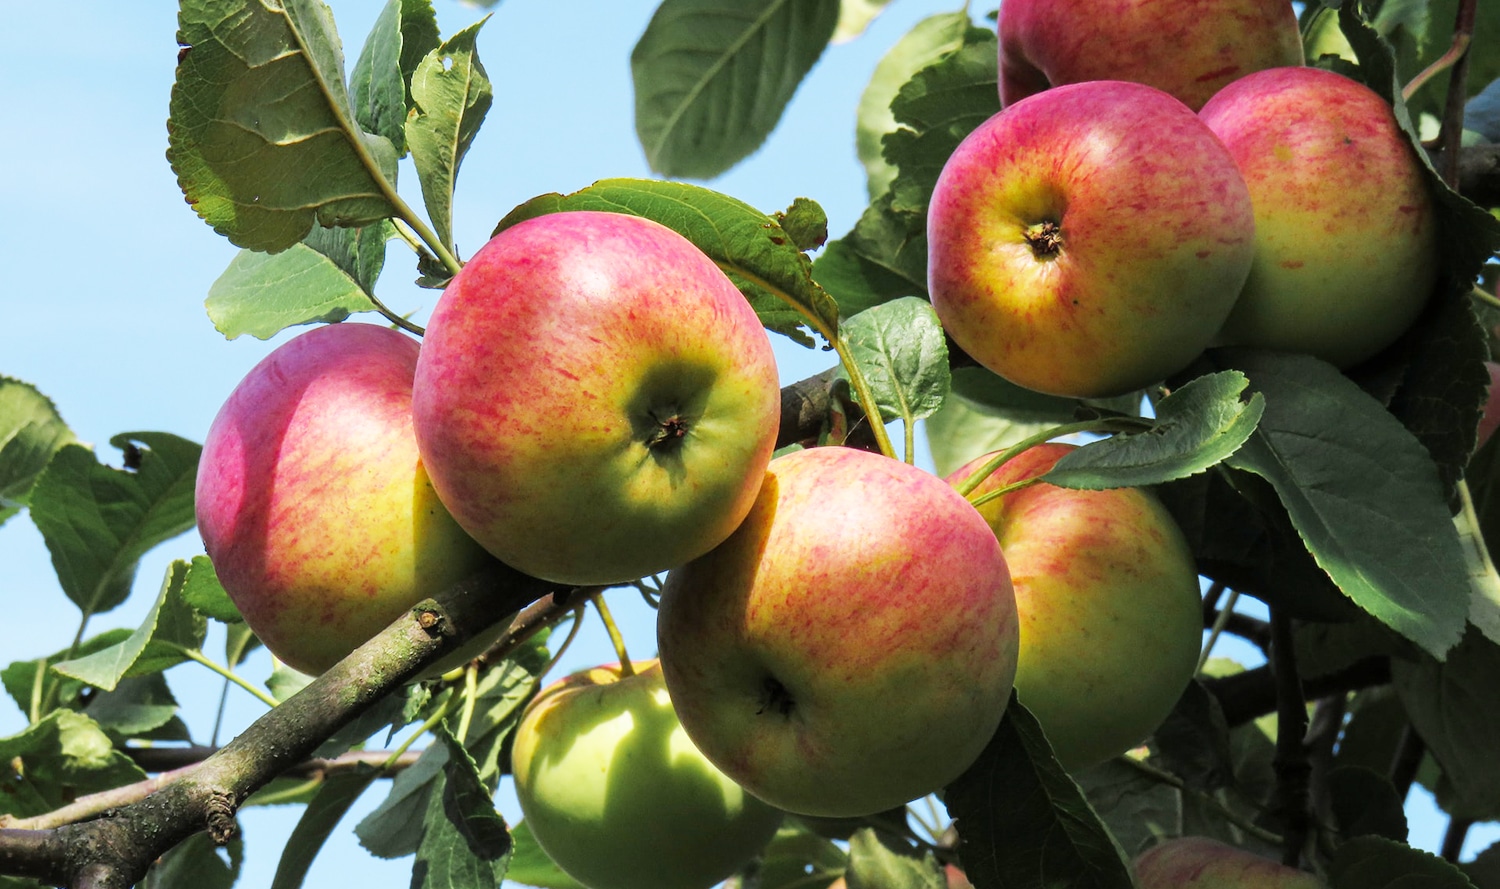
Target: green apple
{"points": [[617, 795], [1202, 863], [595, 400], [1345, 227], [1089, 240], [1107, 593], [851, 646], [1189, 48], [312, 500]]}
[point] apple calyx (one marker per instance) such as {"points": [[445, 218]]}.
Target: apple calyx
{"points": [[667, 433], [1045, 238], [776, 698]]}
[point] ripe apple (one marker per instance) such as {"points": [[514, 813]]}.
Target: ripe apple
{"points": [[851, 647], [618, 796], [1190, 48], [1089, 240], [1107, 593], [1345, 230], [1489, 420], [313, 503], [595, 400], [1202, 863]]}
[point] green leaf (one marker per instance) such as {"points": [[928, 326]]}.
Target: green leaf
{"points": [[202, 590], [285, 681], [855, 16], [239, 641], [464, 840], [1197, 426], [1484, 870], [263, 294], [406, 31], [196, 863], [805, 223], [1362, 492], [451, 95], [899, 347], [138, 706], [30, 433], [64, 756], [1365, 803], [713, 76], [1024, 822], [796, 858], [927, 41], [875, 862], [530, 866], [318, 820], [503, 689], [171, 628], [761, 258], [23, 684], [1378, 863], [98, 522], [394, 829], [1193, 741], [1138, 810], [262, 135], [883, 258]]}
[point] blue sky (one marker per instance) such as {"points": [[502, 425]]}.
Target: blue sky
{"points": [[106, 267]]}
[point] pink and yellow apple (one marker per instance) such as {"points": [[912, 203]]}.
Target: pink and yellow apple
{"points": [[851, 646], [1203, 863], [313, 502], [1107, 593], [595, 400], [1189, 48], [1345, 228], [1088, 241], [616, 794]]}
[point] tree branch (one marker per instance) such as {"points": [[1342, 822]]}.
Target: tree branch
{"points": [[1252, 693]]}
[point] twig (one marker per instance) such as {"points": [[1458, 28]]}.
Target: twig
{"points": [[1164, 777], [1250, 694], [1453, 109], [1291, 764]]}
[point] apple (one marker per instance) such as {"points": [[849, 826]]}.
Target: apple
{"points": [[1190, 48], [953, 876], [1202, 863], [616, 794], [851, 646], [312, 500], [1489, 420], [595, 400], [1108, 598], [1089, 240], [1345, 228]]}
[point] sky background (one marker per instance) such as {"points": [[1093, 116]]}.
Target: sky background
{"points": [[106, 269]]}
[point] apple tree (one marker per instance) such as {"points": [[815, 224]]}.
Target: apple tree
{"points": [[1335, 516]]}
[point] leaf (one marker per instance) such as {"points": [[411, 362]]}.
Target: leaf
{"points": [[530, 866], [805, 223], [262, 135], [713, 76], [22, 682], [138, 706], [464, 840], [1193, 741], [1024, 822], [880, 260], [1365, 803], [855, 16], [52, 762], [286, 681], [332, 801], [98, 521], [796, 858], [30, 433], [761, 258], [1362, 492], [503, 690], [263, 294], [406, 31], [196, 863], [1377, 863], [451, 95], [899, 347], [1137, 810], [1197, 426], [876, 863], [394, 829], [927, 41], [203, 592], [171, 627]]}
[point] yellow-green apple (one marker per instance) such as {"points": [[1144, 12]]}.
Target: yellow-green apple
{"points": [[1345, 229], [312, 500], [595, 400], [1089, 240], [617, 795], [1189, 48], [851, 647], [1202, 863], [1107, 593]]}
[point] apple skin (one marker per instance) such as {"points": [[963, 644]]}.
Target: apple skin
{"points": [[1489, 420], [1202, 863], [618, 796], [851, 647], [312, 500], [1189, 48], [567, 343], [1110, 609], [1345, 228], [1153, 231]]}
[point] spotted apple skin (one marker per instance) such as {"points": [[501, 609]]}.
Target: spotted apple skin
{"points": [[852, 645], [1203, 863], [313, 502]]}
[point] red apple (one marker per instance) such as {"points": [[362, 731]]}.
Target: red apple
{"points": [[1089, 240], [313, 502], [851, 647], [1345, 229], [1107, 593], [595, 400], [1202, 863], [1189, 48]]}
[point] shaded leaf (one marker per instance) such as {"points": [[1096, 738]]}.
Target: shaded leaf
{"points": [[201, 590], [880, 260], [23, 682], [464, 840], [196, 863], [712, 77], [170, 628], [1137, 810], [31, 431], [899, 347], [1378, 863], [1364, 802], [451, 95], [796, 858], [503, 690], [394, 829], [52, 762], [877, 862], [137, 706], [404, 33], [285, 681], [334, 798], [1193, 741]]}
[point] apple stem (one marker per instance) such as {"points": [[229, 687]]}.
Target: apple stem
{"points": [[1220, 622], [471, 698], [1104, 424], [626, 669]]}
